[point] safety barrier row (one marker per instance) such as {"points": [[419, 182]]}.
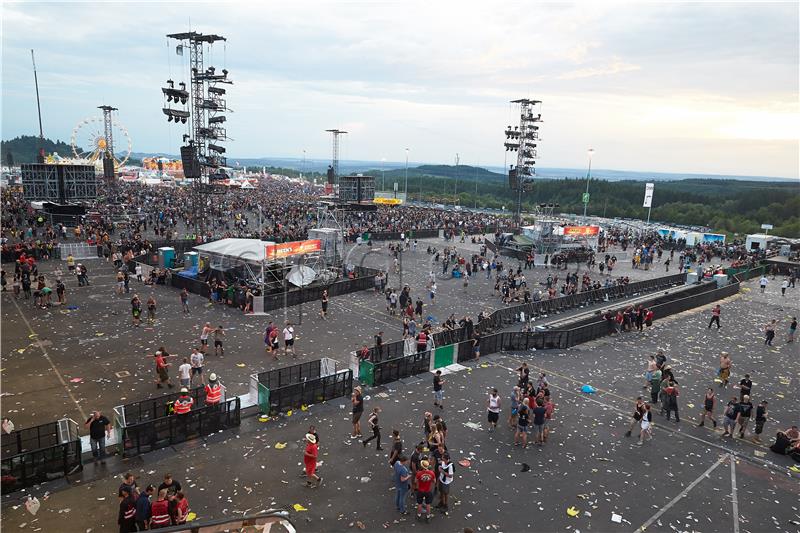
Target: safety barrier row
{"points": [[510, 315], [153, 408], [308, 392], [167, 431], [394, 369], [38, 454], [365, 280]]}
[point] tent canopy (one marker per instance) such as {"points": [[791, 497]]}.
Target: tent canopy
{"points": [[239, 250]]}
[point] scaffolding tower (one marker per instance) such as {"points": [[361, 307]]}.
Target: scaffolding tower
{"points": [[523, 140]]}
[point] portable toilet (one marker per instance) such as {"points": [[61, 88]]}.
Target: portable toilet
{"points": [[166, 257], [190, 260]]}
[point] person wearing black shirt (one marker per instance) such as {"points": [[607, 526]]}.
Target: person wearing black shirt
{"points": [[397, 447], [523, 415], [438, 393], [99, 428], [524, 376], [375, 427], [745, 409], [745, 386], [172, 486], [761, 418]]}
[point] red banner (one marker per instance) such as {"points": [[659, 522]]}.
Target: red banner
{"points": [[581, 231], [286, 249]]}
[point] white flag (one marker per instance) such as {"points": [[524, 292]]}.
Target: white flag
{"points": [[648, 195]]}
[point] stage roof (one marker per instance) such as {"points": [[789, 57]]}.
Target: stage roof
{"points": [[250, 250]]}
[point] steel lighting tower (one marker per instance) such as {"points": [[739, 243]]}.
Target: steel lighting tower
{"points": [[523, 140], [202, 156], [335, 153], [585, 198]]}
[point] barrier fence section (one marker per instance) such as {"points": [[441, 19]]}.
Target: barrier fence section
{"points": [[153, 408], [166, 431], [307, 392], [505, 317], [41, 453], [364, 281], [79, 250], [394, 369]]}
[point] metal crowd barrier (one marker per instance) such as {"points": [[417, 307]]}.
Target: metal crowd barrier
{"points": [[38, 454], [391, 370], [510, 315], [308, 392], [158, 433], [79, 250], [153, 408], [280, 377]]}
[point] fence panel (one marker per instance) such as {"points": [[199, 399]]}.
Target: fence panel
{"points": [[402, 367], [37, 466], [158, 407], [311, 391], [280, 377], [166, 431]]}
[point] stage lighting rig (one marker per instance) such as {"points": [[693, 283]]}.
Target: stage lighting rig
{"points": [[523, 139]]}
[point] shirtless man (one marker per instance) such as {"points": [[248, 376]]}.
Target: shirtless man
{"points": [[724, 368]]}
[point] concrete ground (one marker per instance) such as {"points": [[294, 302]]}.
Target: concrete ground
{"points": [[67, 361], [685, 479]]}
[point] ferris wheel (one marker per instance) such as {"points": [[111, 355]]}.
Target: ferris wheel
{"points": [[95, 138]]}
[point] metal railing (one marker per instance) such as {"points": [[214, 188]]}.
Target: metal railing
{"points": [[308, 392], [158, 407], [401, 367], [41, 453], [510, 315], [280, 377], [158, 433]]}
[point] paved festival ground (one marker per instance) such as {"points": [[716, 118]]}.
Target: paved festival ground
{"points": [[91, 349], [683, 480]]}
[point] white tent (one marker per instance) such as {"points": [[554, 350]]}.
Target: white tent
{"points": [[234, 251]]}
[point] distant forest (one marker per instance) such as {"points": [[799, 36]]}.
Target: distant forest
{"points": [[727, 206]]}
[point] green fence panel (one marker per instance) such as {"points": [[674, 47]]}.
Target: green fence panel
{"points": [[443, 356], [263, 399], [366, 373]]}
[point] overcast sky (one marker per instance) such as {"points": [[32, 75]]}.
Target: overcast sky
{"points": [[700, 87]]}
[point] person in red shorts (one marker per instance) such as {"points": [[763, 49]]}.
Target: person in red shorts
{"points": [[425, 478], [310, 460]]}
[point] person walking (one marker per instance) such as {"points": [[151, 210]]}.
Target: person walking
{"points": [[219, 334], [197, 360], [402, 475], [184, 297], [397, 447], [438, 390], [185, 373], [763, 283], [136, 310], [493, 406], [769, 332], [745, 386], [729, 417], [358, 409], [375, 427], [646, 425], [784, 286], [761, 418], [709, 402], [792, 330], [288, 339], [162, 370], [99, 429], [715, 313], [516, 399], [151, 310], [204, 333], [745, 410], [655, 385], [310, 461], [324, 301], [636, 417], [648, 374], [724, 369]]}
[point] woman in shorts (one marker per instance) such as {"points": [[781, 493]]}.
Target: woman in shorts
{"points": [[647, 420]]}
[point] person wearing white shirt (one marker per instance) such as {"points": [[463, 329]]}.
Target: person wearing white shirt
{"points": [[288, 339], [197, 360], [763, 282], [185, 372]]}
